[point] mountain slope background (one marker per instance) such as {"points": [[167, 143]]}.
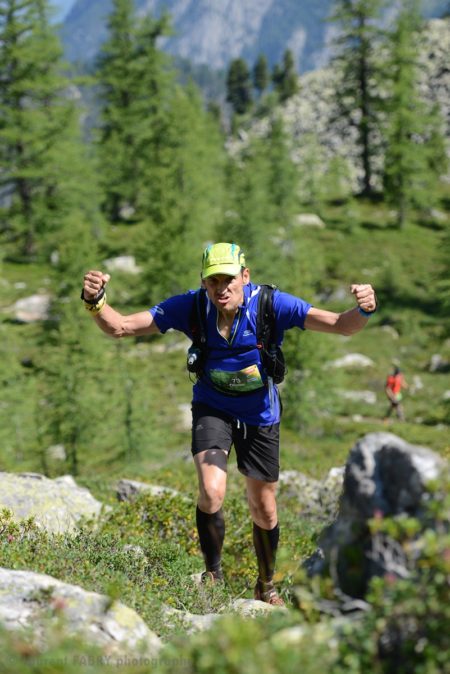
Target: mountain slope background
{"points": [[213, 32]]}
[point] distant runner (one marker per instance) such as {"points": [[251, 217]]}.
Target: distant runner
{"points": [[235, 401], [395, 382]]}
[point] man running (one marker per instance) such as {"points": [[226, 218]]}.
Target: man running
{"points": [[234, 402], [395, 382]]}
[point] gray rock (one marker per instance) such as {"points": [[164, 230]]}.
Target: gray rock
{"points": [[31, 309], [190, 622], [127, 212], [438, 216], [318, 499], [57, 505], [384, 476], [57, 452], [390, 330], [251, 608], [33, 600], [321, 633], [185, 416], [128, 490], [295, 483], [309, 220], [438, 363], [123, 263], [351, 360]]}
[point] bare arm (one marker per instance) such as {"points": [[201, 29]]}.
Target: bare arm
{"points": [[117, 325], [348, 322], [111, 321]]}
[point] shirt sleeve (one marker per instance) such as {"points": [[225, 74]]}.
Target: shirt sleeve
{"points": [[174, 313], [290, 311]]}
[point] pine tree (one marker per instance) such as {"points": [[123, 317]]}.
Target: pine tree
{"points": [[262, 186], [358, 94], [311, 171], [239, 88], [261, 74], [134, 81], [184, 196], [40, 149], [415, 153], [285, 78]]}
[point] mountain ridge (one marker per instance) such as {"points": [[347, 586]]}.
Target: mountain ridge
{"points": [[211, 32]]}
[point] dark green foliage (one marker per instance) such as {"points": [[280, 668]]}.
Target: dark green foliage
{"points": [[184, 193], [357, 59], [262, 188], [39, 142], [239, 87], [166, 172], [443, 283], [415, 153], [261, 74], [285, 78], [134, 85]]}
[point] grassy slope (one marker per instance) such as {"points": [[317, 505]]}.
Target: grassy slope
{"points": [[405, 263]]}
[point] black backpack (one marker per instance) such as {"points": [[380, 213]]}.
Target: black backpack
{"points": [[272, 357]]}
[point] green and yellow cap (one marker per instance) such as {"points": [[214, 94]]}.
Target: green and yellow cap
{"points": [[222, 258]]}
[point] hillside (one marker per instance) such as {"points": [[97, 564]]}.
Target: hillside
{"points": [[312, 113], [143, 425]]}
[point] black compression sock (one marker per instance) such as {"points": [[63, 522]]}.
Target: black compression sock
{"points": [[266, 544], [211, 531]]}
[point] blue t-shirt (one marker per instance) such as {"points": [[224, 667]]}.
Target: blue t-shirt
{"points": [[234, 365]]}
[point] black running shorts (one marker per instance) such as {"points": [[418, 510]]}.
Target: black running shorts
{"points": [[257, 447]]}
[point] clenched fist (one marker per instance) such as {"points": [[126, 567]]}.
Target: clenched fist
{"points": [[365, 296], [93, 283]]}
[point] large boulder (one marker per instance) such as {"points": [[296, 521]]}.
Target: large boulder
{"points": [[384, 476], [57, 505], [37, 601]]}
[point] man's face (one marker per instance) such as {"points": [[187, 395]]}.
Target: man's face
{"points": [[226, 292]]}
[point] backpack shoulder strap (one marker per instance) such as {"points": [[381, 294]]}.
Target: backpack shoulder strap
{"points": [[197, 318], [265, 320]]}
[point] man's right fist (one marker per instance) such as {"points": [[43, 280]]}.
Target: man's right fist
{"points": [[93, 283]]}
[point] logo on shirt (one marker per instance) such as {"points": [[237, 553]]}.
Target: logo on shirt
{"points": [[159, 311], [247, 333]]}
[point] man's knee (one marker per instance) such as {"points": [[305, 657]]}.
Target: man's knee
{"points": [[263, 509], [210, 498]]}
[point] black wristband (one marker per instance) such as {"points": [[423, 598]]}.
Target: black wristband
{"points": [[96, 299]]}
